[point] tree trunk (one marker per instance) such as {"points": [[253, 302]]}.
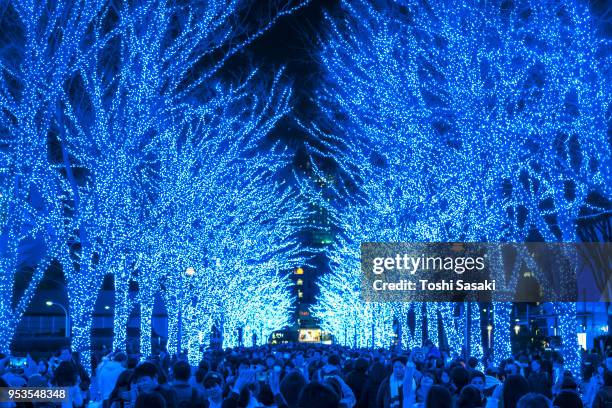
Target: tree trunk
{"points": [[475, 332], [7, 332], [502, 346], [121, 316], [172, 331], [146, 316], [432, 322], [566, 312], [81, 338]]}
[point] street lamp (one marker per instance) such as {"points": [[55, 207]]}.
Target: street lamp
{"points": [[517, 329], [67, 320], [489, 329]]}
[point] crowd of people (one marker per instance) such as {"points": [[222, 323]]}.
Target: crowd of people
{"points": [[315, 376]]}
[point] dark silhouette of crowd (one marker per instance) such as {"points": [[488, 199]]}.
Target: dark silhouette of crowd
{"points": [[316, 376]]}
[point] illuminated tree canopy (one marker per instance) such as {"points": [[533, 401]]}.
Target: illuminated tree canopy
{"points": [[128, 154], [466, 121]]}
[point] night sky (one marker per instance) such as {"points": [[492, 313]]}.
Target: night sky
{"points": [[291, 45]]}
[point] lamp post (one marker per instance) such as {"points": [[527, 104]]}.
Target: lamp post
{"points": [[67, 320], [189, 272]]}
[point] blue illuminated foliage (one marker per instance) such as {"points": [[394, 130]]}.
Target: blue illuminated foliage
{"points": [[241, 226], [40, 49], [124, 151], [463, 122]]}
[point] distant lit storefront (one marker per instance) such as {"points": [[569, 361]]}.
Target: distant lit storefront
{"points": [[314, 336]]}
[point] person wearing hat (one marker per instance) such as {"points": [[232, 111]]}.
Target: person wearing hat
{"points": [[390, 393], [213, 384]]}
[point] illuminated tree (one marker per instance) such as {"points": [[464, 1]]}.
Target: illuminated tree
{"points": [[41, 45], [340, 307], [484, 122], [218, 211], [157, 67], [89, 91]]}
